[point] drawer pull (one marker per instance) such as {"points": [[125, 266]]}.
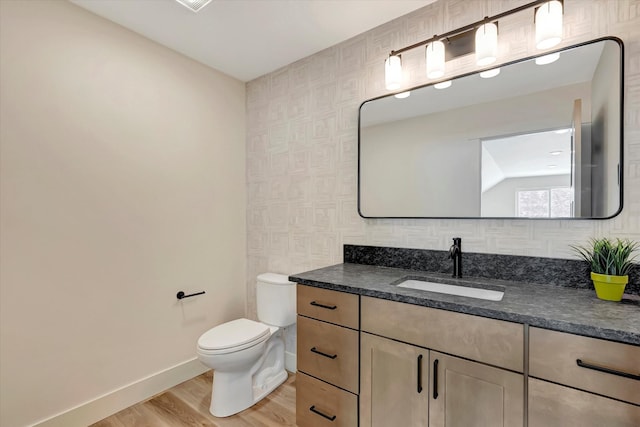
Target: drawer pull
{"points": [[420, 374], [328, 307], [315, 411], [435, 379], [330, 356], [607, 370]]}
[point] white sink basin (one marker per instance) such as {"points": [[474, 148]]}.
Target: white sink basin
{"points": [[463, 291]]}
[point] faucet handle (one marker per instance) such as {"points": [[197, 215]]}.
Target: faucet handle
{"points": [[453, 251]]}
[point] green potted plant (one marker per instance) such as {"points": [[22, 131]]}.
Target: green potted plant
{"points": [[610, 263]]}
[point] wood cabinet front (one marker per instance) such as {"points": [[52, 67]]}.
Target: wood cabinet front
{"points": [[490, 341], [465, 393], [591, 364], [422, 366], [394, 388], [328, 352], [319, 404], [553, 405], [330, 306]]}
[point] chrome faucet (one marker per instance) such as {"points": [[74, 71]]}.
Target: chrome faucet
{"points": [[455, 253]]}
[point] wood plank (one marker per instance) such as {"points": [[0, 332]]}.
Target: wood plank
{"points": [[187, 404]]}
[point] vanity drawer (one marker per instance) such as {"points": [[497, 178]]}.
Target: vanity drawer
{"points": [[554, 356], [490, 341], [331, 306], [317, 403], [553, 405], [328, 352]]}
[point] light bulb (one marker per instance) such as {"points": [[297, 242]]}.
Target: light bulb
{"points": [[393, 72], [549, 24], [435, 59], [486, 44]]}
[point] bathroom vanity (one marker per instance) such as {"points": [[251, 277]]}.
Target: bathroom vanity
{"points": [[371, 353]]}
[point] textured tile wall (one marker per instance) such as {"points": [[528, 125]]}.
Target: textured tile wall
{"points": [[302, 143]]}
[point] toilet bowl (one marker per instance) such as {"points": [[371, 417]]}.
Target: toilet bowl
{"points": [[247, 357]]}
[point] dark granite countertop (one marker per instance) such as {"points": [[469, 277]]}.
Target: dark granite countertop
{"points": [[576, 311]]}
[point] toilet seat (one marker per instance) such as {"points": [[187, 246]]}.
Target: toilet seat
{"points": [[233, 336]]}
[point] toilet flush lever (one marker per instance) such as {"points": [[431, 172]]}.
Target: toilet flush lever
{"points": [[181, 295]]}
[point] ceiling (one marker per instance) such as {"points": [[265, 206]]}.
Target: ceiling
{"points": [[532, 154], [249, 38]]}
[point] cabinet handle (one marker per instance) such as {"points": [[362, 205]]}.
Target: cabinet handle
{"points": [[330, 356], [435, 379], [315, 411], [607, 370], [328, 307], [420, 374]]}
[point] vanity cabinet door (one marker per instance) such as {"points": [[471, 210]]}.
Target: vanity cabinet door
{"points": [[464, 393], [394, 389]]}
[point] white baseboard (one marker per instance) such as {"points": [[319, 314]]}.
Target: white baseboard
{"points": [[290, 362], [117, 400]]}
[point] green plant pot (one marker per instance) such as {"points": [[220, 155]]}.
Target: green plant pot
{"points": [[609, 288]]}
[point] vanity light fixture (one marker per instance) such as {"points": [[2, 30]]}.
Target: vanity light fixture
{"points": [[547, 59], [548, 19], [393, 72], [403, 95], [442, 85], [194, 5], [490, 73], [486, 44], [548, 24], [434, 55]]}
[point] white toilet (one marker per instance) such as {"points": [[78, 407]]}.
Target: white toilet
{"points": [[247, 357]]}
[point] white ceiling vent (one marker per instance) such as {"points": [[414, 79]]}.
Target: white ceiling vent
{"points": [[194, 5]]}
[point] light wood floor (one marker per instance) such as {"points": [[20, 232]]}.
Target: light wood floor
{"points": [[187, 404]]}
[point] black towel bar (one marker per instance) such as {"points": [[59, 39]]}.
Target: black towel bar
{"points": [[181, 295]]}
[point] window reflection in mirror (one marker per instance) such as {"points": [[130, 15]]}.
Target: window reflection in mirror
{"points": [[527, 175], [537, 140]]}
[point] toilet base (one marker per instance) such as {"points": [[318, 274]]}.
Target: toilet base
{"points": [[259, 392], [233, 392]]}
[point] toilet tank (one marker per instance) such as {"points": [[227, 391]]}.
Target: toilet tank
{"points": [[276, 299]]}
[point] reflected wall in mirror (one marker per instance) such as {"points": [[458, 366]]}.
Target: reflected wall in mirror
{"points": [[538, 140]]}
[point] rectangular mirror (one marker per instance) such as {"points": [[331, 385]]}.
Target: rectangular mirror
{"points": [[541, 139]]}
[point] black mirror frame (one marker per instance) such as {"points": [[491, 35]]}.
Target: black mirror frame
{"points": [[620, 169]]}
